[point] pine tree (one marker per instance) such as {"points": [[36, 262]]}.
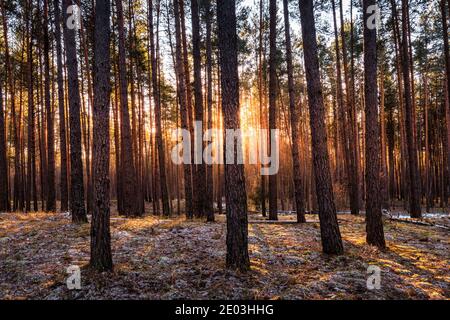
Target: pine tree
{"points": [[4, 195], [199, 179], [209, 178], [375, 235], [77, 205], [183, 102], [101, 257], [156, 98], [130, 192], [273, 92], [51, 193], [414, 179], [298, 184], [31, 166], [61, 108], [235, 192], [331, 236]]}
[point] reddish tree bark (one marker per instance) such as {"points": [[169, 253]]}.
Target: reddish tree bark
{"points": [[51, 193], [156, 98], [4, 195], [351, 126], [182, 97], [130, 192], [31, 166], [77, 205], [199, 179], [62, 114], [375, 234], [209, 177], [298, 183], [18, 198], [414, 178], [447, 68], [273, 92]]}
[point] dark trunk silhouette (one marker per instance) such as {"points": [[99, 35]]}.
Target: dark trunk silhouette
{"points": [[298, 183], [101, 258], [31, 166], [156, 98], [130, 192], [18, 198], [235, 192], [62, 114], [444, 13], [261, 90], [51, 193], [414, 178], [273, 92], [375, 235], [182, 97], [199, 179], [209, 174], [4, 195], [351, 126], [331, 236], [77, 205], [341, 112]]}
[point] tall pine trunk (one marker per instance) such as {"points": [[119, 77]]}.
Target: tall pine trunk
{"points": [[51, 192], [182, 97], [298, 183], [199, 179], [273, 188], [4, 194], [156, 99], [235, 192], [101, 257], [187, 77], [444, 13], [261, 86], [414, 178], [62, 114], [77, 205], [331, 236], [375, 234], [130, 192], [17, 184], [341, 114], [209, 169], [353, 166], [384, 185], [31, 166]]}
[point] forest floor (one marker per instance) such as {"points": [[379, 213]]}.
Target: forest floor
{"points": [[175, 259]]}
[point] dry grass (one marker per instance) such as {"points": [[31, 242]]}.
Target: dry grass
{"points": [[174, 259]]}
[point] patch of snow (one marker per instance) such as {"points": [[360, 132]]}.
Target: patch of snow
{"points": [[165, 260]]}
